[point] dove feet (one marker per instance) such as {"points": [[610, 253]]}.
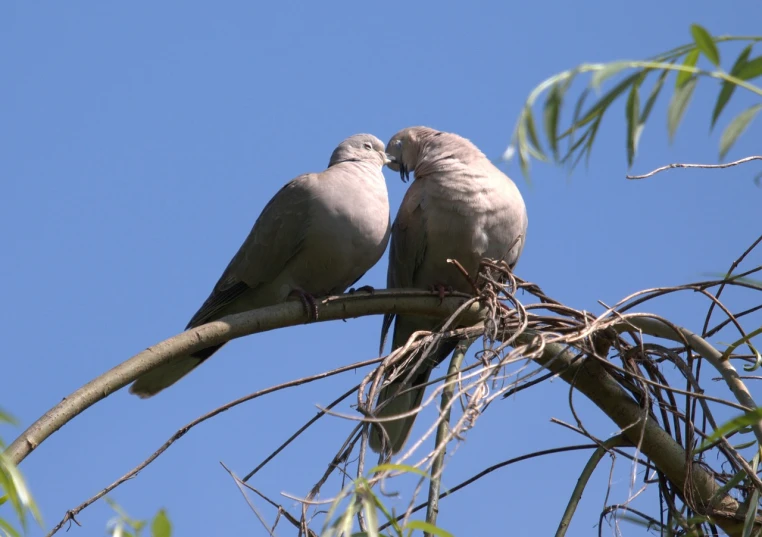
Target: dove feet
{"points": [[308, 301], [441, 289], [365, 288]]}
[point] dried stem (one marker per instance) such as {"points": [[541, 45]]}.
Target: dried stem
{"points": [[700, 166], [447, 394]]}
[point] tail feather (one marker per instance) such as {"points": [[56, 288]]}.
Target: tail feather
{"points": [[166, 375], [398, 431]]}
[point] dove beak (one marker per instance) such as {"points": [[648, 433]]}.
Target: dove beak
{"points": [[404, 173]]}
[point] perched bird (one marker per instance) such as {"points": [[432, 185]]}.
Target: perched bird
{"points": [[459, 206], [317, 236]]}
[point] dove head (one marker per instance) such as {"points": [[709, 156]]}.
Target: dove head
{"points": [[404, 149], [360, 148]]}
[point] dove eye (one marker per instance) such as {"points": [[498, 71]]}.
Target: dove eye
{"points": [[368, 146]]}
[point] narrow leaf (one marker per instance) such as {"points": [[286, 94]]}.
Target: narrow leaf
{"points": [[678, 105], [550, 114], [751, 69], [690, 61], [747, 340], [398, 467], [655, 90], [8, 529], [736, 128], [7, 418], [705, 42], [575, 117], [603, 103], [390, 518], [728, 87], [160, 526], [608, 70], [632, 114], [589, 144], [749, 520], [732, 483], [576, 145], [428, 528], [523, 162], [732, 426], [9, 486], [532, 131], [371, 516]]}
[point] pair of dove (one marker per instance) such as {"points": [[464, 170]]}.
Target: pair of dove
{"points": [[322, 231]]}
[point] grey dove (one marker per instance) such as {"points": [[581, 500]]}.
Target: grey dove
{"points": [[459, 206], [317, 236]]}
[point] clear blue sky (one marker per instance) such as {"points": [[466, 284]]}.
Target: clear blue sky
{"points": [[140, 141]]}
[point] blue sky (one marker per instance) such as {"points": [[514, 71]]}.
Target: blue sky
{"points": [[141, 140]]}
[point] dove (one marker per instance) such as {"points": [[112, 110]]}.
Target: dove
{"points": [[459, 206], [316, 237]]}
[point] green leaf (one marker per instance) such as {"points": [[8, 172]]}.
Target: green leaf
{"points": [[427, 528], [390, 518], [632, 114], [705, 43], [345, 493], [8, 484], [736, 128], [652, 97], [600, 107], [589, 144], [751, 69], [745, 445], [608, 70], [748, 523], [523, 160], [8, 529], [399, 468], [575, 117], [523, 144], [7, 418], [371, 516], [732, 483], [532, 130], [728, 87], [576, 145], [550, 114], [160, 526], [678, 105], [690, 61], [732, 426], [747, 340]]}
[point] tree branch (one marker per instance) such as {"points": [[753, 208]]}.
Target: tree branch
{"points": [[554, 352], [589, 377], [230, 327]]}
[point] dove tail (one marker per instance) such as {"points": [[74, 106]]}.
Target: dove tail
{"points": [[166, 375], [392, 435]]}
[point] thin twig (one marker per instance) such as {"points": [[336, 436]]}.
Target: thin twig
{"points": [[701, 166], [491, 469], [301, 429], [181, 432], [436, 469], [587, 472]]}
